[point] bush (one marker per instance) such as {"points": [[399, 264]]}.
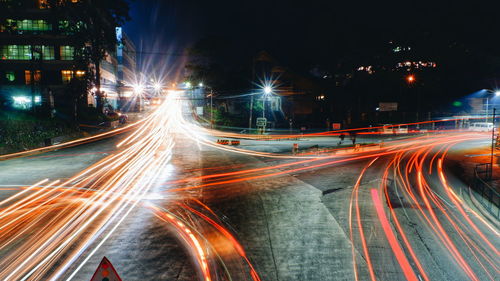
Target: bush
{"points": [[21, 131]]}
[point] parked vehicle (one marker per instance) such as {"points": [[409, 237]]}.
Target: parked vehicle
{"points": [[394, 129], [481, 127]]}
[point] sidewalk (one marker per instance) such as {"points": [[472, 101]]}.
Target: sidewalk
{"points": [[479, 194]]}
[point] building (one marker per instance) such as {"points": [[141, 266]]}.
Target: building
{"points": [[38, 60], [127, 72]]}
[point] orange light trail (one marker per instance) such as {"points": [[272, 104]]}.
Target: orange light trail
{"points": [[396, 248]]}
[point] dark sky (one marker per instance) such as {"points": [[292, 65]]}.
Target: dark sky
{"points": [[310, 31]]}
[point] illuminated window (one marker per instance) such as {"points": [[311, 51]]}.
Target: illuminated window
{"points": [[67, 75], [28, 74], [47, 52], [80, 73], [15, 52], [24, 52], [22, 26], [10, 76], [67, 53], [42, 4], [66, 27]]}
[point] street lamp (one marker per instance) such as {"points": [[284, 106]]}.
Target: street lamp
{"points": [[138, 88], [157, 87], [493, 94], [211, 95], [267, 91]]}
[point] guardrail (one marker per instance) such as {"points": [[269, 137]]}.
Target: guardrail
{"points": [[485, 193]]}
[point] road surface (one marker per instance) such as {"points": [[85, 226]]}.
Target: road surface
{"points": [[164, 201]]}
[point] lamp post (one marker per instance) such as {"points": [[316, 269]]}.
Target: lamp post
{"points": [[411, 81], [211, 108], [492, 143], [267, 91], [251, 114], [493, 94]]}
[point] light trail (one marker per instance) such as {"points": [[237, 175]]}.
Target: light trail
{"points": [[57, 226], [64, 223], [398, 252]]}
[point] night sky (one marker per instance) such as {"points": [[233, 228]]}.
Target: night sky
{"points": [[310, 32]]}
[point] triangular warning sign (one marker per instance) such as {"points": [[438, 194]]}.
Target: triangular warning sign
{"points": [[105, 272]]}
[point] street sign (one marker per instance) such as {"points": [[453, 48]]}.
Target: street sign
{"points": [[199, 110], [105, 272], [261, 122], [388, 106]]}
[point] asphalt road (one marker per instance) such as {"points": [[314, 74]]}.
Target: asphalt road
{"points": [[295, 219]]}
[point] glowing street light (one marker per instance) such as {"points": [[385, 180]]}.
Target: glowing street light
{"points": [[138, 88], [410, 78], [493, 94], [157, 86], [200, 85], [267, 91]]}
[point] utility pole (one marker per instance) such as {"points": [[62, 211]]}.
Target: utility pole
{"points": [[264, 106], [251, 114], [492, 143], [211, 108], [486, 115]]}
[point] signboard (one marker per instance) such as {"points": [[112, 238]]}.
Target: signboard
{"points": [[388, 106], [336, 126], [261, 122], [477, 105], [199, 110], [105, 272]]}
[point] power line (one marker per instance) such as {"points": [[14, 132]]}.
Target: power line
{"points": [[160, 53]]}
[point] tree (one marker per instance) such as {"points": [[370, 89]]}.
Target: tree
{"points": [[219, 62], [92, 24]]}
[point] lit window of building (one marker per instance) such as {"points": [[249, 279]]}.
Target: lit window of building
{"points": [[43, 4], [48, 52], [66, 27], [67, 53], [80, 73], [45, 52], [10, 76], [15, 52], [24, 52], [67, 75], [37, 75], [320, 97], [26, 25]]}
